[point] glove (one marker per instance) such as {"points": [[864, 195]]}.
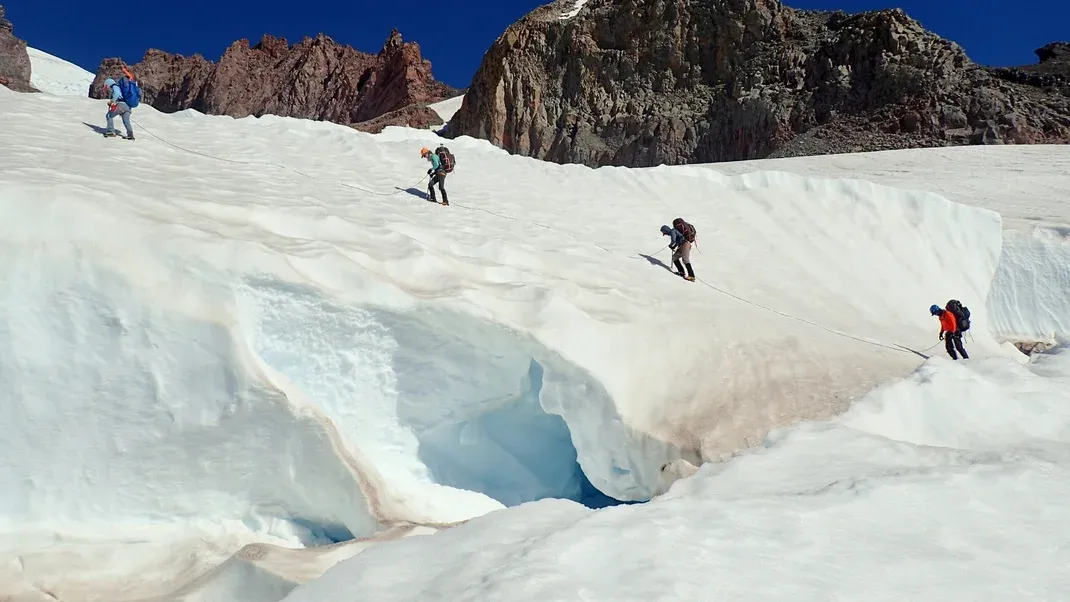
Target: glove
{"points": [[112, 106], [431, 171], [941, 336]]}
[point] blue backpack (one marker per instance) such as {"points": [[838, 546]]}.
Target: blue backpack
{"points": [[131, 92]]}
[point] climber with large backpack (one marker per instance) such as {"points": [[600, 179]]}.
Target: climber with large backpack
{"points": [[681, 237], [125, 97], [442, 163], [954, 320]]}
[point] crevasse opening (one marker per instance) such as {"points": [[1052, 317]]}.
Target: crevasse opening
{"points": [[432, 397]]}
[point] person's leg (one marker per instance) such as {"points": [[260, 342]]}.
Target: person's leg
{"points": [[958, 345], [949, 345], [442, 187], [686, 256], [676, 262], [124, 111], [431, 187], [111, 121]]}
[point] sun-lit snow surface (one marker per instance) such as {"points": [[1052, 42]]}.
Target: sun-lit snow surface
{"points": [[1026, 184], [447, 108], [950, 484], [294, 362], [53, 75], [1031, 294]]}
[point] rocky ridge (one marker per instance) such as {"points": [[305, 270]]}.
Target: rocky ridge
{"points": [[14, 61], [1052, 72], [314, 79], [645, 82]]}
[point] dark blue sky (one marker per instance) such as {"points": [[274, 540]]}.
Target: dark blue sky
{"points": [[994, 32]]}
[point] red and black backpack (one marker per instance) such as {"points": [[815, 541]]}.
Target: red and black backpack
{"points": [[685, 228], [446, 158]]}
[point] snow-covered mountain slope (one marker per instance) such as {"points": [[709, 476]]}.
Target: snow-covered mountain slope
{"points": [[54, 75], [447, 108], [241, 332], [1026, 184], [948, 485]]}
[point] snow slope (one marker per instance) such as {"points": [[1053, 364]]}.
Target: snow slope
{"points": [[947, 485], [298, 350], [1026, 184], [447, 108], [53, 75], [1031, 294]]}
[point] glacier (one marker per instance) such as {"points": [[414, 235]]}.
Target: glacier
{"points": [[55, 76], [231, 369], [948, 484]]}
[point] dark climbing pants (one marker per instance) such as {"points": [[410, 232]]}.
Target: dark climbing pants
{"points": [[439, 177], [953, 341], [681, 258]]}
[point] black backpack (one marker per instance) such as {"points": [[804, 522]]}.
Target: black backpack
{"points": [[961, 313], [447, 159]]}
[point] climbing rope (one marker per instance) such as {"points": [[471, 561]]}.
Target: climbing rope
{"points": [[532, 223], [267, 164], [353, 187], [893, 347]]}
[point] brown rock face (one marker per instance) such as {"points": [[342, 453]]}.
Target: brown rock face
{"points": [[645, 82], [316, 79], [414, 116], [14, 62]]}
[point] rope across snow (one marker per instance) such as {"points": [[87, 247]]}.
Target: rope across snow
{"points": [[579, 5]]}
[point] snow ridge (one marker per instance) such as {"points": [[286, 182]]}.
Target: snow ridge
{"points": [[53, 75]]}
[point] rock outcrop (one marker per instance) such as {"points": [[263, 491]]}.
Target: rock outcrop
{"points": [[1052, 72], [14, 61], [645, 82], [1032, 348], [413, 116], [315, 79]]}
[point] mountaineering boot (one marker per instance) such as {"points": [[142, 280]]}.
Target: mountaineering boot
{"points": [[110, 134], [689, 278], [679, 265]]}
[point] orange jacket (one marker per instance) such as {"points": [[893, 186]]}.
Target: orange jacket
{"points": [[947, 322]]}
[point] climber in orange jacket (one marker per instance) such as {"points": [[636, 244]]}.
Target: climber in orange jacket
{"points": [[949, 332]]}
